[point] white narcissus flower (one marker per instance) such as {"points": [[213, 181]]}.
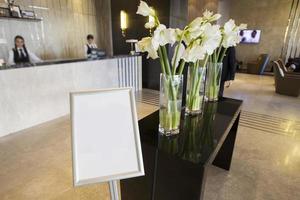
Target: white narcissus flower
{"points": [[179, 54], [211, 38], [146, 45], [163, 36], [145, 10]]}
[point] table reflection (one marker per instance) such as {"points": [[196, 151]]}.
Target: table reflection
{"points": [[195, 141]]}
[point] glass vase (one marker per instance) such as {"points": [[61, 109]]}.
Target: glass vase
{"points": [[213, 80], [170, 104], [195, 90]]}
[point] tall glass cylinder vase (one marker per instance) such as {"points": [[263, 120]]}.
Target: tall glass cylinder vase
{"points": [[170, 104], [213, 80], [195, 90]]}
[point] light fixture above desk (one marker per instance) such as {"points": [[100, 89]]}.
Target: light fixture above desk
{"points": [[123, 20]]}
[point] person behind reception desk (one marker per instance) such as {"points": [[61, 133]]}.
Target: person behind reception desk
{"points": [[20, 54], [89, 46]]}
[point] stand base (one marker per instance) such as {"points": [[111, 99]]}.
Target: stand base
{"points": [[114, 192]]}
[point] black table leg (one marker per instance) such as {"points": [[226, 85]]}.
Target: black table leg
{"points": [[224, 156]]}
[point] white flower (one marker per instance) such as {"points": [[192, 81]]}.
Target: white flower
{"points": [[178, 33], [211, 38], [210, 16], [146, 45], [163, 36], [150, 25], [231, 34], [196, 23], [183, 35], [145, 10], [194, 30], [193, 53], [179, 54], [229, 26]]}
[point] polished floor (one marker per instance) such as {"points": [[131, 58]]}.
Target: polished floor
{"points": [[266, 160], [36, 163]]}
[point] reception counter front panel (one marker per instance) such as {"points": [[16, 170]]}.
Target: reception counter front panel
{"points": [[33, 95]]}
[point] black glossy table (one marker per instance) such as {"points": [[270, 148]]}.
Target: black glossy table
{"points": [[175, 167]]}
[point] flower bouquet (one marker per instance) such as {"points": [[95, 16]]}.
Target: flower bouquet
{"points": [[229, 37], [187, 49], [195, 45], [201, 37]]}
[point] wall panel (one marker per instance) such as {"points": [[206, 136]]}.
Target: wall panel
{"points": [[270, 16]]}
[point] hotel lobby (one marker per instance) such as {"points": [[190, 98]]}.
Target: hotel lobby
{"points": [[134, 100]]}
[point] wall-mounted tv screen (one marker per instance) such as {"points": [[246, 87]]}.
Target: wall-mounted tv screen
{"points": [[250, 36]]}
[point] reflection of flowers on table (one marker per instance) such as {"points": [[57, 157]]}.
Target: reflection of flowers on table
{"points": [[196, 140]]}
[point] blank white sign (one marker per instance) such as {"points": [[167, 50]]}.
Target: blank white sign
{"points": [[105, 136]]}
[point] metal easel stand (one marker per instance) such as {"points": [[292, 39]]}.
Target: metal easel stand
{"points": [[114, 192]]}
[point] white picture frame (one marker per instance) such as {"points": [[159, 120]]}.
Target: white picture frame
{"points": [[105, 136]]}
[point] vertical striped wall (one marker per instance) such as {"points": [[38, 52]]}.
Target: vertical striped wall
{"points": [[291, 47], [62, 32], [130, 72]]}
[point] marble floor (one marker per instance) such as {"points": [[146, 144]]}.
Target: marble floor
{"points": [[266, 160], [36, 162]]}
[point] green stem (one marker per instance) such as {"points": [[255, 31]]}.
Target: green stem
{"points": [[177, 50], [205, 61], [219, 49], [161, 60], [166, 60], [193, 73], [215, 56], [222, 56], [199, 81], [181, 67], [195, 83], [176, 54]]}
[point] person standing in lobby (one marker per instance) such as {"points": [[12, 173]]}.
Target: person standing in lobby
{"points": [[89, 46], [228, 70], [20, 54]]}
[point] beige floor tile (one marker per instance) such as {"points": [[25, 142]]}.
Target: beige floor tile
{"points": [[36, 162]]}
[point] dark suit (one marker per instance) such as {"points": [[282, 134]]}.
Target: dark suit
{"points": [[229, 68]]}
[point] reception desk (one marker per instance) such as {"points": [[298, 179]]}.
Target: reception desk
{"points": [[33, 95]]}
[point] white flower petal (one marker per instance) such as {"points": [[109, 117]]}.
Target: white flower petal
{"points": [[229, 26], [211, 38], [216, 17], [210, 16], [145, 10], [195, 23], [146, 45], [194, 53], [164, 36], [231, 34]]}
